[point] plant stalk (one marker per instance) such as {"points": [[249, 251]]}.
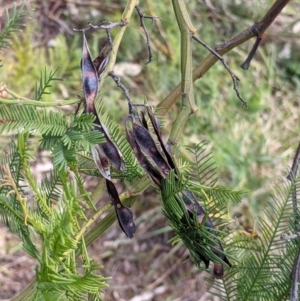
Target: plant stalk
{"points": [[187, 30]]}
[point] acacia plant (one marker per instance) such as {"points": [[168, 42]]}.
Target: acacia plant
{"points": [[56, 220]]}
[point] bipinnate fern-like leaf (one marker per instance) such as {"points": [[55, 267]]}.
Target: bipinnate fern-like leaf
{"points": [[65, 135], [45, 83], [50, 186], [60, 242], [18, 118], [203, 182], [11, 213], [12, 160], [13, 22], [12, 216], [204, 177], [204, 169], [265, 260], [200, 239]]}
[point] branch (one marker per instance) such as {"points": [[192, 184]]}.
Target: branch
{"points": [[223, 48], [233, 76], [188, 107], [29, 102], [260, 27], [142, 24]]}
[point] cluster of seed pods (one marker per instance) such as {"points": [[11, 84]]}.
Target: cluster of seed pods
{"points": [[157, 162], [154, 158], [106, 154]]}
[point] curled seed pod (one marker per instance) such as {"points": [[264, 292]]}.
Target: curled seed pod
{"points": [[89, 78], [124, 215], [101, 61], [144, 163], [148, 146], [106, 153]]}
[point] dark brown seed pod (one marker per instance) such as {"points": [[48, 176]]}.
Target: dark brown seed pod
{"points": [[143, 161], [156, 126], [193, 206], [124, 215], [203, 259], [89, 78], [218, 267], [218, 270], [148, 146], [112, 151], [109, 149], [101, 61]]}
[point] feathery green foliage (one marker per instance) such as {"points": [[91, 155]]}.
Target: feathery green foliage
{"points": [[56, 226], [198, 238], [44, 84], [20, 118], [265, 260], [52, 216], [12, 23]]}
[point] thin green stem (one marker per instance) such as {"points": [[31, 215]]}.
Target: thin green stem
{"points": [[30, 102], [129, 9], [81, 187], [15, 95], [28, 293], [91, 221]]}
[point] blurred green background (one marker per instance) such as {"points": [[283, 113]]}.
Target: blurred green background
{"points": [[252, 147]]}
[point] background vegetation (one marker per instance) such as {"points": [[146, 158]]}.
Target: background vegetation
{"points": [[252, 147]]}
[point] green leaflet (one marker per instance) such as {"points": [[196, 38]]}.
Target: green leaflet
{"points": [[12, 23], [44, 84], [265, 260], [17, 118], [200, 239]]}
